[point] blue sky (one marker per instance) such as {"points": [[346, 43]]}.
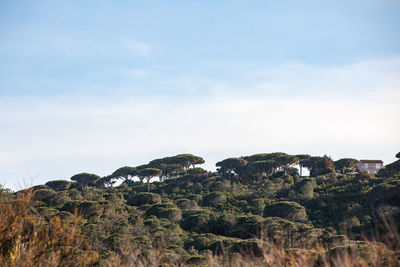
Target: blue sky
{"points": [[95, 85]]}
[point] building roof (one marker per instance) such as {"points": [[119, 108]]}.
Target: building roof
{"points": [[371, 161]]}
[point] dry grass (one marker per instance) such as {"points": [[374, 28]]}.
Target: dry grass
{"points": [[29, 241]]}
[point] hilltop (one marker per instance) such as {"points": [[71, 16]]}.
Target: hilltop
{"points": [[251, 208]]}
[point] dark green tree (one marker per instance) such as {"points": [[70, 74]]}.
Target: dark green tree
{"points": [[85, 179], [286, 161], [59, 185], [346, 165], [196, 171], [390, 169], [264, 156], [165, 210], [108, 180], [124, 173], [144, 198], [305, 188], [187, 160], [214, 199], [139, 168], [267, 167], [288, 210], [231, 167], [319, 165], [168, 169], [147, 174]]}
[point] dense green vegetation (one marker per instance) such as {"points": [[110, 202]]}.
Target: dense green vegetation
{"points": [[249, 205]]}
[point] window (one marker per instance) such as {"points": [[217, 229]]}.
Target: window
{"points": [[378, 165], [366, 165]]}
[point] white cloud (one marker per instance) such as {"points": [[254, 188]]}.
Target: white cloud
{"points": [[57, 137]]}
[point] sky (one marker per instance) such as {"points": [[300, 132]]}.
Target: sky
{"points": [[90, 86]]}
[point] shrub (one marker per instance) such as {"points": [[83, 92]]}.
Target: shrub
{"points": [[75, 194], [251, 247], [222, 225], [45, 195], [59, 185], [258, 206], [214, 199], [289, 210], [248, 226], [196, 221], [186, 204], [84, 207], [166, 210], [144, 198], [305, 188]]}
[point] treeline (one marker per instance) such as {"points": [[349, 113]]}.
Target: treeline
{"points": [[248, 168]]}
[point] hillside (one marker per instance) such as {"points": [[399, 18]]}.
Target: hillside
{"points": [[255, 210]]}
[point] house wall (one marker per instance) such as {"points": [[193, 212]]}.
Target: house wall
{"points": [[370, 167]]}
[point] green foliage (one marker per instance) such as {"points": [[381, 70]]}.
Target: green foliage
{"points": [[59, 185], [84, 207], [258, 206], [392, 169], [143, 198], [231, 165], [187, 204], [148, 172], [254, 247], [319, 165], [289, 210], [346, 165], [45, 195], [214, 199], [250, 199], [195, 221], [74, 194], [305, 188], [85, 179], [196, 171], [125, 173], [168, 211]]}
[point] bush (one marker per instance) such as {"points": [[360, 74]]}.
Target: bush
{"points": [[45, 195], [288, 210], [65, 216], [214, 199], [196, 221], [186, 204], [305, 188], [85, 207], [222, 225], [251, 247], [59, 185], [248, 226], [144, 198], [215, 243], [167, 210], [74, 194], [258, 206]]}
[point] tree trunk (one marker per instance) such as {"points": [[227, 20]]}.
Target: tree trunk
{"points": [[148, 185]]}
